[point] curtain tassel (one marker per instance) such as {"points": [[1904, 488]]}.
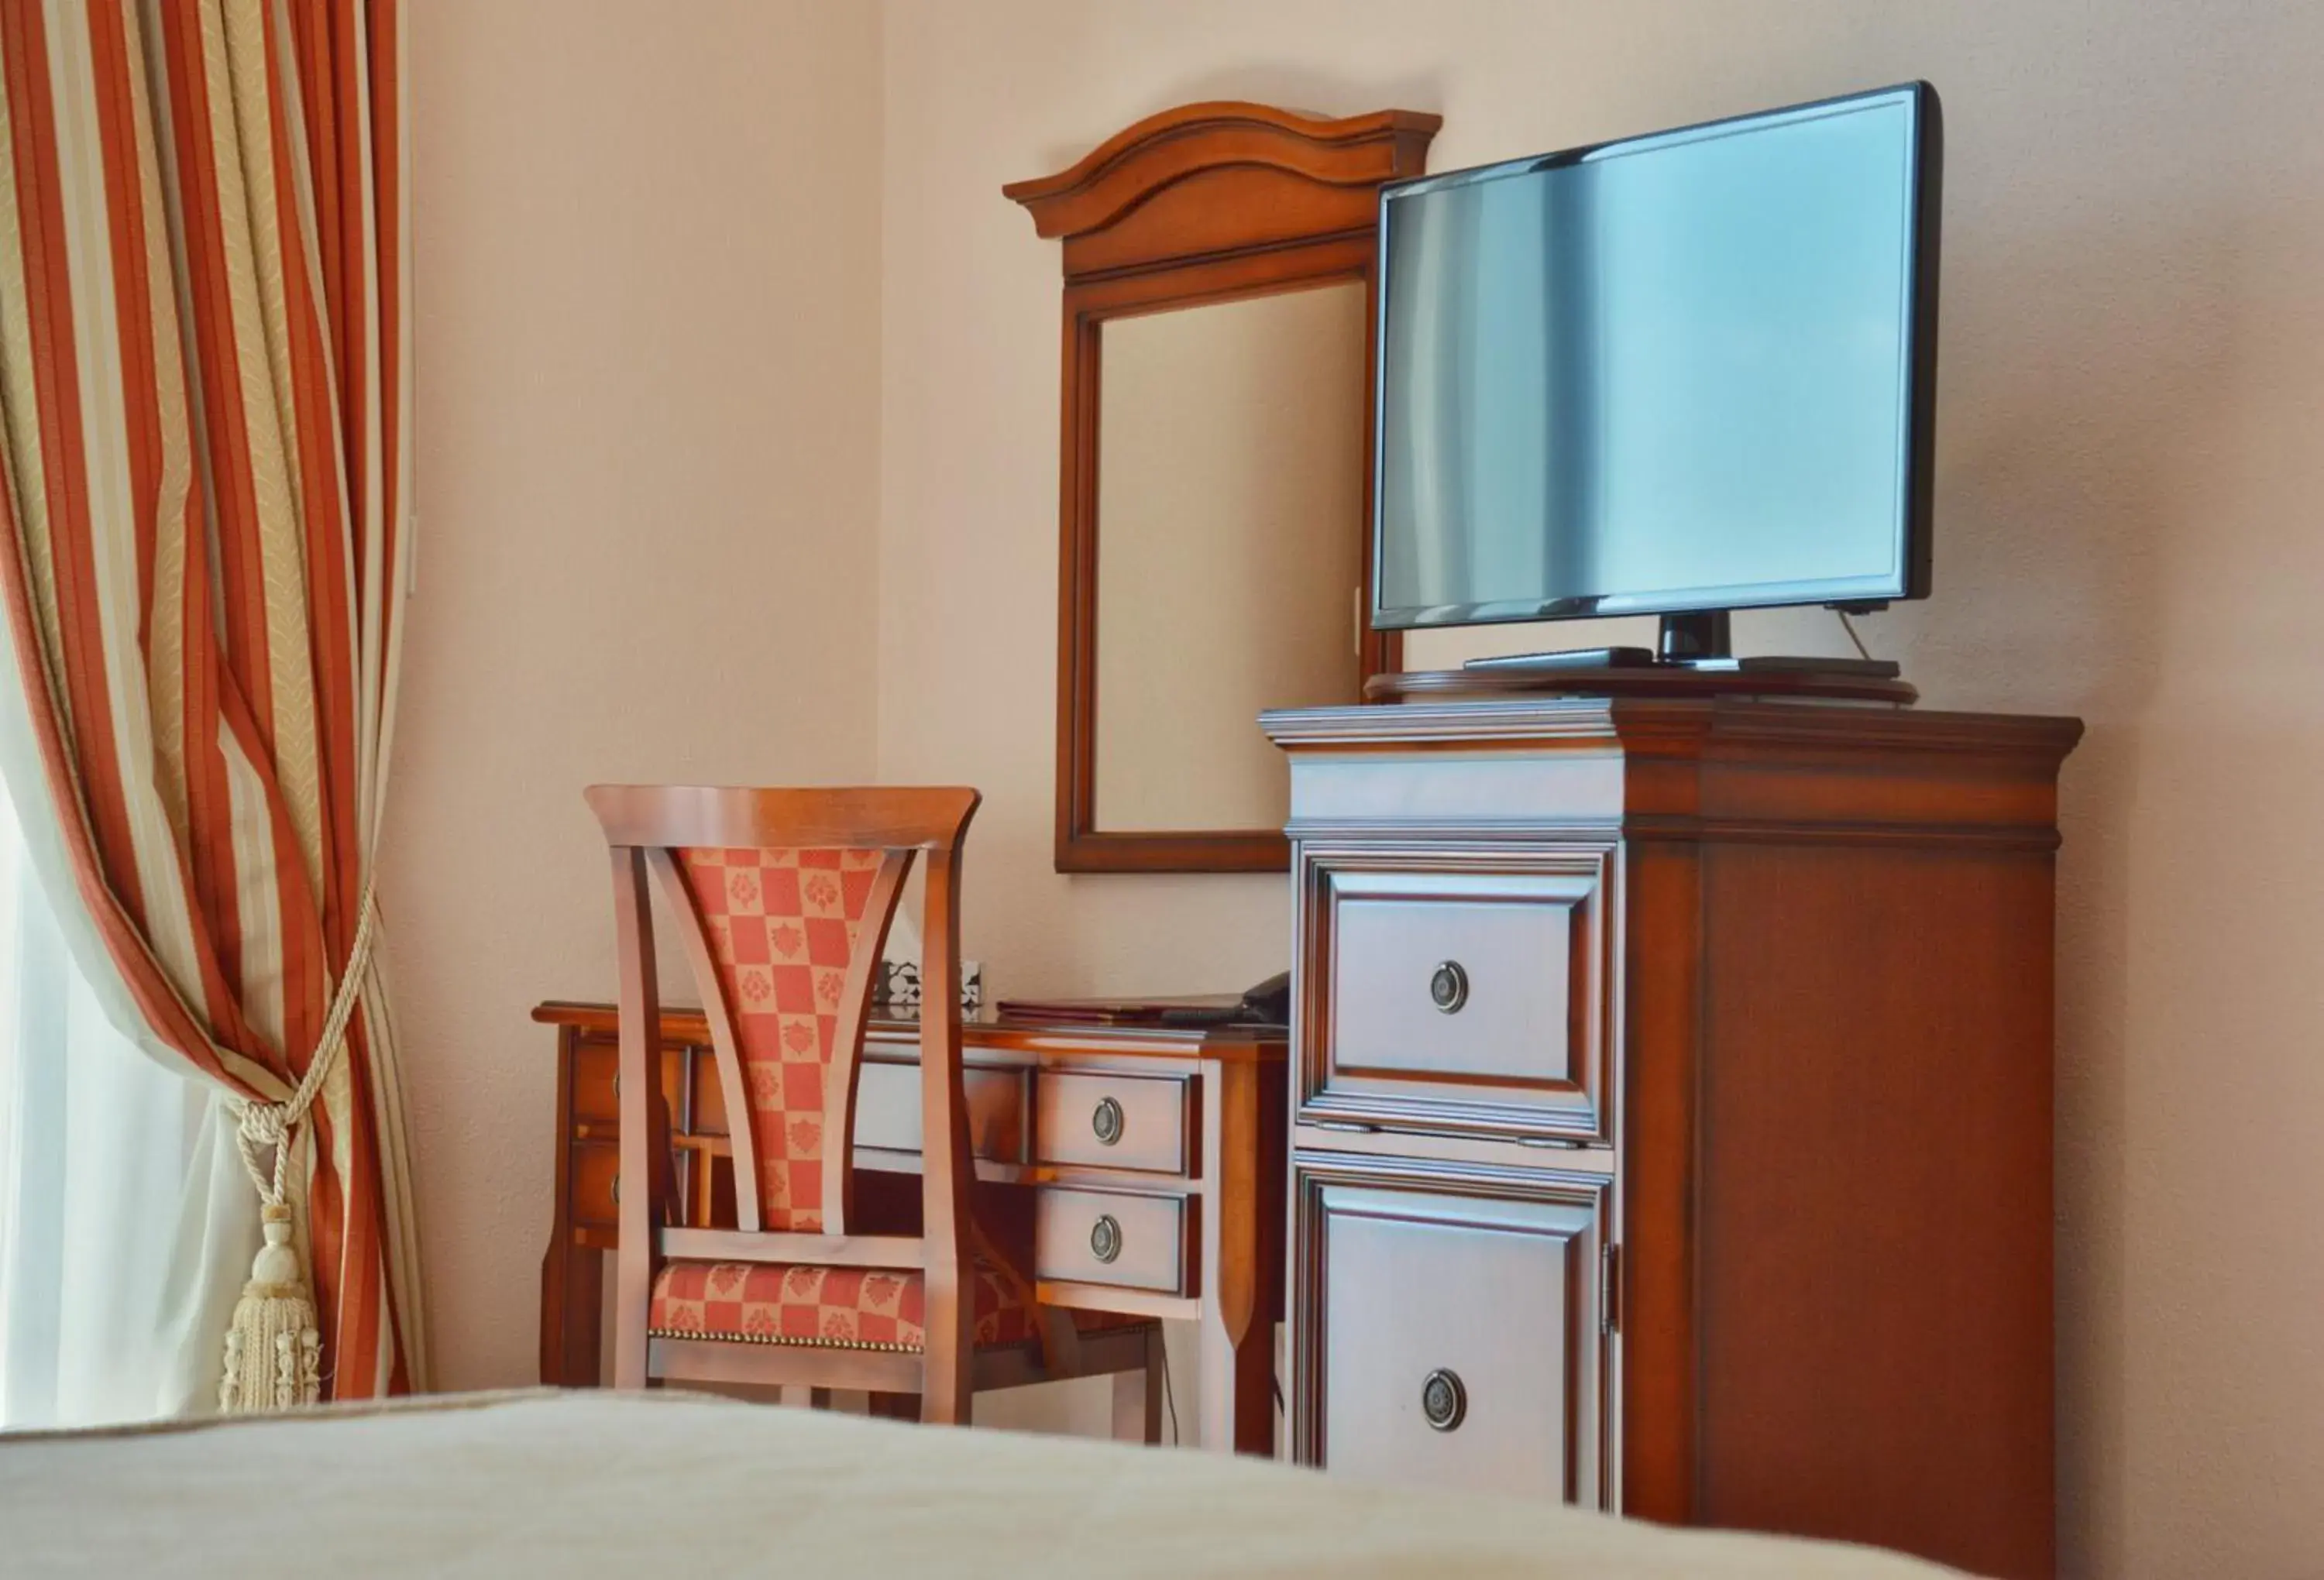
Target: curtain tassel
{"points": [[273, 1350], [274, 1347]]}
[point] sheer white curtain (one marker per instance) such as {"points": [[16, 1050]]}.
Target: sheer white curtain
{"points": [[122, 1209]]}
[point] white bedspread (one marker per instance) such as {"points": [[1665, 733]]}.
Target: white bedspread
{"points": [[600, 1483]]}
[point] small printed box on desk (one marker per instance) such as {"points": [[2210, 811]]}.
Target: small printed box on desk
{"points": [[897, 993]]}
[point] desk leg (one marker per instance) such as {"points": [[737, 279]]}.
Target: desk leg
{"points": [[1138, 1397], [572, 1294], [1241, 1280], [571, 1277]]}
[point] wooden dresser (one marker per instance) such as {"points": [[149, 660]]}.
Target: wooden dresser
{"points": [[1671, 1111]]}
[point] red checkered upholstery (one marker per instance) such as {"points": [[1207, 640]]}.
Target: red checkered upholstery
{"points": [[782, 927], [847, 1308]]}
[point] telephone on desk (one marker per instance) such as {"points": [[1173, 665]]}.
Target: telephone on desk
{"points": [[1267, 1004]]}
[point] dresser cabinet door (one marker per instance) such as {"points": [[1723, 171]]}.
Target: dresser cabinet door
{"points": [[1449, 1328], [1458, 989]]}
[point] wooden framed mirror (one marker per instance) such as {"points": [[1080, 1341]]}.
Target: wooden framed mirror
{"points": [[1215, 497]]}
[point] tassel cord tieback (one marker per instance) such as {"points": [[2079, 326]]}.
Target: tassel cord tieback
{"points": [[274, 1348]]}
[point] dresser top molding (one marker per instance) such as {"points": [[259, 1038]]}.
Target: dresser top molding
{"points": [[1716, 769], [1221, 176], [1640, 725]]}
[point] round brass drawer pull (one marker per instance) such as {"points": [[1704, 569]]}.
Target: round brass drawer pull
{"points": [[1448, 986], [1106, 1122], [1442, 1401], [1105, 1237]]}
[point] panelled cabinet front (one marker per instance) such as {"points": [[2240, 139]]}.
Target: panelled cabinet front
{"points": [[1631, 1164], [1458, 987], [1456, 1326], [1453, 1177]]}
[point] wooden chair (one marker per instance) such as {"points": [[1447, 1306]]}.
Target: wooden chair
{"points": [[782, 900]]}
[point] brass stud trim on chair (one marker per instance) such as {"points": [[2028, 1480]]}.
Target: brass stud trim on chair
{"points": [[784, 1340]]}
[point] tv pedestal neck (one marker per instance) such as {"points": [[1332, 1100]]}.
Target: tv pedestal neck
{"points": [[1693, 656]]}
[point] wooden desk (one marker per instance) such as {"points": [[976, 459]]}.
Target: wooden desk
{"points": [[1192, 1180]]}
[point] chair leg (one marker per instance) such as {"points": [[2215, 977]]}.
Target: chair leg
{"points": [[630, 1349], [1138, 1397], [946, 1398], [947, 1375]]}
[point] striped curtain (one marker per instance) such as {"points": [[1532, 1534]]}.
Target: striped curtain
{"points": [[204, 426]]}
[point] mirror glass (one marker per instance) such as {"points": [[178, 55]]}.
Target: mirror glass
{"points": [[1230, 542]]}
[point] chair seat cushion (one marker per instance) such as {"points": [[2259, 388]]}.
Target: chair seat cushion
{"points": [[841, 1308]]}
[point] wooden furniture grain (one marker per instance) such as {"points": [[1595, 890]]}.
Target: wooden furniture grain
{"points": [[782, 900], [1178, 1135], [1204, 204], [1671, 1125]]}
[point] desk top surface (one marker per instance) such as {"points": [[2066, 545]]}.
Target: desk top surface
{"points": [[685, 1024]]}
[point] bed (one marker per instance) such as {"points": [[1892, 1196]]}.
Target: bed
{"points": [[603, 1483]]}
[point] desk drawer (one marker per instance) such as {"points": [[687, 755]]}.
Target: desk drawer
{"points": [[596, 1184], [699, 1109], [597, 1082], [1458, 1339], [1466, 991], [1111, 1237], [1106, 1121], [888, 1109]]}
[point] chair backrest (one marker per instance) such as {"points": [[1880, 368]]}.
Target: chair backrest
{"points": [[784, 930], [782, 901]]}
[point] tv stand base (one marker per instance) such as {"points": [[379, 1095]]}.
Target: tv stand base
{"points": [[1693, 657], [1806, 680], [1583, 660]]}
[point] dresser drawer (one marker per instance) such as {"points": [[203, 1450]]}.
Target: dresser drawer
{"points": [[1102, 1120], [1456, 1337], [1459, 990], [1111, 1237]]}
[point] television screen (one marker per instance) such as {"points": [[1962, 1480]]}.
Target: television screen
{"points": [[1691, 371]]}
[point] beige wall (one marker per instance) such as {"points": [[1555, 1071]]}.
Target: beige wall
{"points": [[647, 431], [675, 364], [2131, 447]]}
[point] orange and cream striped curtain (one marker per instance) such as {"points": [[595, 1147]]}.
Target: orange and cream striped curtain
{"points": [[205, 427]]}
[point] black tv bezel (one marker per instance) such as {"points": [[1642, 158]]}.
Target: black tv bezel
{"points": [[1916, 528]]}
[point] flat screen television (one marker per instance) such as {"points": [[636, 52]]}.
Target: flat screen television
{"points": [[1676, 375]]}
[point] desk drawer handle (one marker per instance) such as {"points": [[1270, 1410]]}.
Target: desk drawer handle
{"points": [[617, 1188], [1106, 1122], [1448, 986], [1105, 1237], [1443, 1400]]}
